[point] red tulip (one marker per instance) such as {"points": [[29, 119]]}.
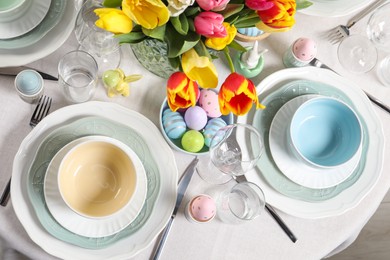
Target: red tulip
{"points": [[237, 94], [181, 91]]}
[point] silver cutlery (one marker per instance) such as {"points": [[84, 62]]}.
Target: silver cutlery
{"points": [[181, 189], [13, 71], [274, 215], [342, 31], [317, 63], [39, 113]]}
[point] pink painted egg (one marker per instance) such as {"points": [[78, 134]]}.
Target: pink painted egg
{"points": [[305, 49], [195, 118], [208, 100], [202, 208]]}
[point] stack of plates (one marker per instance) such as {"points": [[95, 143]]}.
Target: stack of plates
{"points": [[42, 28], [44, 222], [277, 166], [334, 8]]}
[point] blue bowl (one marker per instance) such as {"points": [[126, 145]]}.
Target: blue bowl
{"points": [[325, 132]]}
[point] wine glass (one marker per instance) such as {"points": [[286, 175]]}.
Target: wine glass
{"points": [[358, 53], [101, 44], [234, 150]]}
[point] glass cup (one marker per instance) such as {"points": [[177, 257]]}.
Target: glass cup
{"points": [[383, 71], [234, 150], [101, 44], [78, 76], [243, 202]]}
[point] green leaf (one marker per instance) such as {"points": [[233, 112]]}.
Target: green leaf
{"points": [[246, 23], [302, 4], [235, 45], [174, 62], [202, 50], [112, 3], [132, 37], [231, 9], [177, 43], [156, 33], [180, 23], [191, 11]]}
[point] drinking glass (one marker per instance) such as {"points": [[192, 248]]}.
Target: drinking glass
{"points": [[234, 150], [78, 76], [243, 202], [101, 44], [358, 53]]}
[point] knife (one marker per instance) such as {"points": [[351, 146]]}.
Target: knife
{"points": [[317, 63], [181, 190], [273, 213], [13, 71]]}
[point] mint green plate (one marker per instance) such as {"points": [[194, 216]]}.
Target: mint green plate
{"points": [[62, 136], [262, 121], [52, 18]]}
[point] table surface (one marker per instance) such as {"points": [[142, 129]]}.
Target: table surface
{"points": [[259, 239]]}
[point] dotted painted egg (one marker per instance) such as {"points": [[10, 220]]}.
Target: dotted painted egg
{"points": [[195, 118], [208, 100], [174, 125], [202, 208], [305, 49], [211, 128]]}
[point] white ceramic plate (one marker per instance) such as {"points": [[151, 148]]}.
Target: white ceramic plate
{"points": [[128, 246], [294, 168], [371, 169], [45, 46], [91, 227], [23, 23], [334, 8]]}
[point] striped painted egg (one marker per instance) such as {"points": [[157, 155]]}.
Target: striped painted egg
{"points": [[174, 125], [213, 125], [251, 31]]}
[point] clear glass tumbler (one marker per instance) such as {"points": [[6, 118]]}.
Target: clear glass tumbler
{"points": [[78, 76], [243, 202]]}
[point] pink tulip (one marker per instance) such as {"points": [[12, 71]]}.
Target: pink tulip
{"points": [[210, 25], [215, 5], [259, 5]]}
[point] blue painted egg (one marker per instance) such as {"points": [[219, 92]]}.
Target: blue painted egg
{"points": [[174, 125], [211, 128]]}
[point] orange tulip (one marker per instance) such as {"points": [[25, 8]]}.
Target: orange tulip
{"points": [[237, 94], [181, 91], [280, 17]]}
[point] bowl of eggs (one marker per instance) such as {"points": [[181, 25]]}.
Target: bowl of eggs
{"points": [[190, 130]]}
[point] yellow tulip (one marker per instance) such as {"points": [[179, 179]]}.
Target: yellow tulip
{"points": [[220, 43], [113, 20], [200, 69], [147, 13]]}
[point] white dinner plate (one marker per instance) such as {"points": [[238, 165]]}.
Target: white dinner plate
{"points": [[335, 8], [45, 46], [32, 14], [369, 169], [90, 227], [294, 168], [21, 186]]}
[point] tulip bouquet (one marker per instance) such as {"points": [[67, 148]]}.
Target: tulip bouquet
{"points": [[191, 29]]}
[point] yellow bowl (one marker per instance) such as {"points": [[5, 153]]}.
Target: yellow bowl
{"points": [[97, 178]]}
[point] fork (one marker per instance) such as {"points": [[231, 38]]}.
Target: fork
{"points": [[40, 112], [342, 31]]}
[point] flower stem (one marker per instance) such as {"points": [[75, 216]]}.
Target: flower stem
{"points": [[229, 59]]}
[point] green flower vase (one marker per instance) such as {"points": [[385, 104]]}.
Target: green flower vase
{"points": [[152, 54]]}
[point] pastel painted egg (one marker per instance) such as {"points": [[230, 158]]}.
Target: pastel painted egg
{"points": [[192, 141], [202, 208], [305, 49], [195, 118], [174, 125], [208, 100], [211, 128]]}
